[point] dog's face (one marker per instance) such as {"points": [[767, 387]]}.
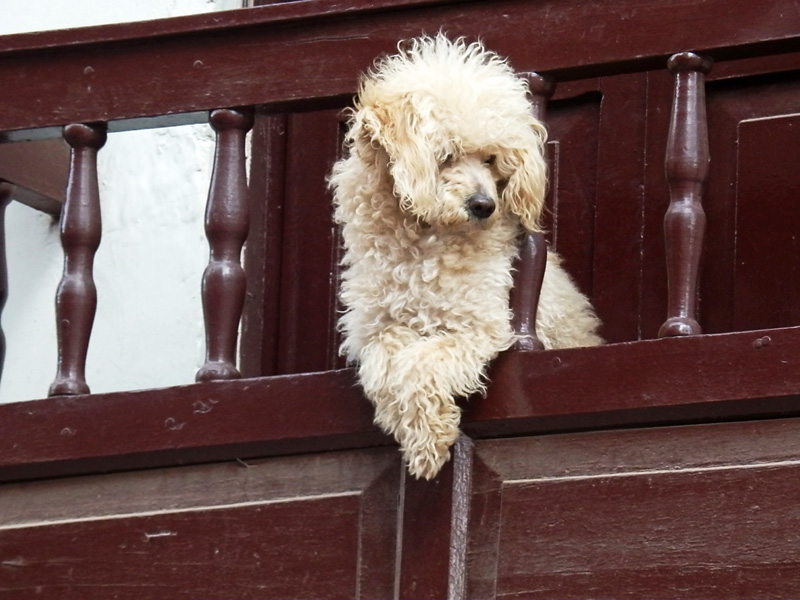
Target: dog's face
{"points": [[453, 128], [440, 177], [468, 188]]}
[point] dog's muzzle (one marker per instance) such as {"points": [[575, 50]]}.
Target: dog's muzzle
{"points": [[480, 206]]}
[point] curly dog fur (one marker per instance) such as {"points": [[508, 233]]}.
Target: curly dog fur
{"points": [[445, 169]]}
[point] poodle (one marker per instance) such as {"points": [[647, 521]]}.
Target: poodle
{"points": [[445, 169]]}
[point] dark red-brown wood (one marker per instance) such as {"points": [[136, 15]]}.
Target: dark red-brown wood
{"points": [[311, 55], [643, 383], [299, 527], [227, 224], [281, 486], [530, 266], [39, 170], [435, 524], [6, 195], [76, 297], [687, 170], [684, 512], [260, 323]]}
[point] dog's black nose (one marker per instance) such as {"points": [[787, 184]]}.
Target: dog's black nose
{"points": [[480, 205]]}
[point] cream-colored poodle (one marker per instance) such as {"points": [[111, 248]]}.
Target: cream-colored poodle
{"points": [[445, 169]]}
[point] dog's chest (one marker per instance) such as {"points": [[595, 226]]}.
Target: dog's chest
{"points": [[441, 271]]}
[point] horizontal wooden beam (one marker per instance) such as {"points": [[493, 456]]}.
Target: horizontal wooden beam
{"points": [[656, 382], [671, 380], [184, 424], [307, 55]]}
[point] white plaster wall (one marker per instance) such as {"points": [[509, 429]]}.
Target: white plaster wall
{"points": [[148, 331]]}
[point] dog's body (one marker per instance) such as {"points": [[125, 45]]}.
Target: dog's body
{"points": [[445, 170]]}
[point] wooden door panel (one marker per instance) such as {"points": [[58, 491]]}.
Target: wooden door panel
{"points": [[310, 527], [767, 268], [309, 265], [751, 257], [680, 512], [573, 124], [305, 549]]}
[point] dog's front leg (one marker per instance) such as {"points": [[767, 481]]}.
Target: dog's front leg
{"points": [[412, 381]]}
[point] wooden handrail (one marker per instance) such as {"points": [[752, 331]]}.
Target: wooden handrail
{"points": [[532, 392], [304, 55]]}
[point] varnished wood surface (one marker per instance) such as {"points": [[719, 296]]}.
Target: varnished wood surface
{"points": [[703, 511], [658, 381], [41, 168], [188, 491], [227, 222], [81, 231], [296, 527], [286, 55], [686, 168]]}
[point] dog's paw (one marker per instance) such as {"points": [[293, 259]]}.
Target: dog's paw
{"points": [[426, 463], [427, 452]]}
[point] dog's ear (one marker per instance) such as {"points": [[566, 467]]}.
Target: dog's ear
{"points": [[396, 128], [525, 191]]}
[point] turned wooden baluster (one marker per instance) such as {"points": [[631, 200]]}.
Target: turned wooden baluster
{"points": [[227, 222], [532, 260], [687, 170], [6, 194], [76, 297]]}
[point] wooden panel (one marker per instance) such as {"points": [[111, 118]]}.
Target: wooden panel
{"points": [[767, 270], [617, 290], [293, 247], [573, 124], [752, 187], [307, 313], [315, 527], [653, 311], [262, 252], [703, 511]]}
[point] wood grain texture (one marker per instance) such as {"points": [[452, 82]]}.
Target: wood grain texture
{"points": [[736, 375], [313, 527], [6, 193], [266, 190], [41, 168], [686, 168], [81, 229], [679, 512], [227, 222], [203, 63], [186, 424]]}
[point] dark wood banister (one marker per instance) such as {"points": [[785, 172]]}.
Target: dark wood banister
{"points": [[308, 55]]}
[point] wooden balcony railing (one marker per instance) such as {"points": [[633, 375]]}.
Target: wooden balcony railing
{"points": [[85, 84]]}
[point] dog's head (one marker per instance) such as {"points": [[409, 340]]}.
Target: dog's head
{"points": [[453, 126]]}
